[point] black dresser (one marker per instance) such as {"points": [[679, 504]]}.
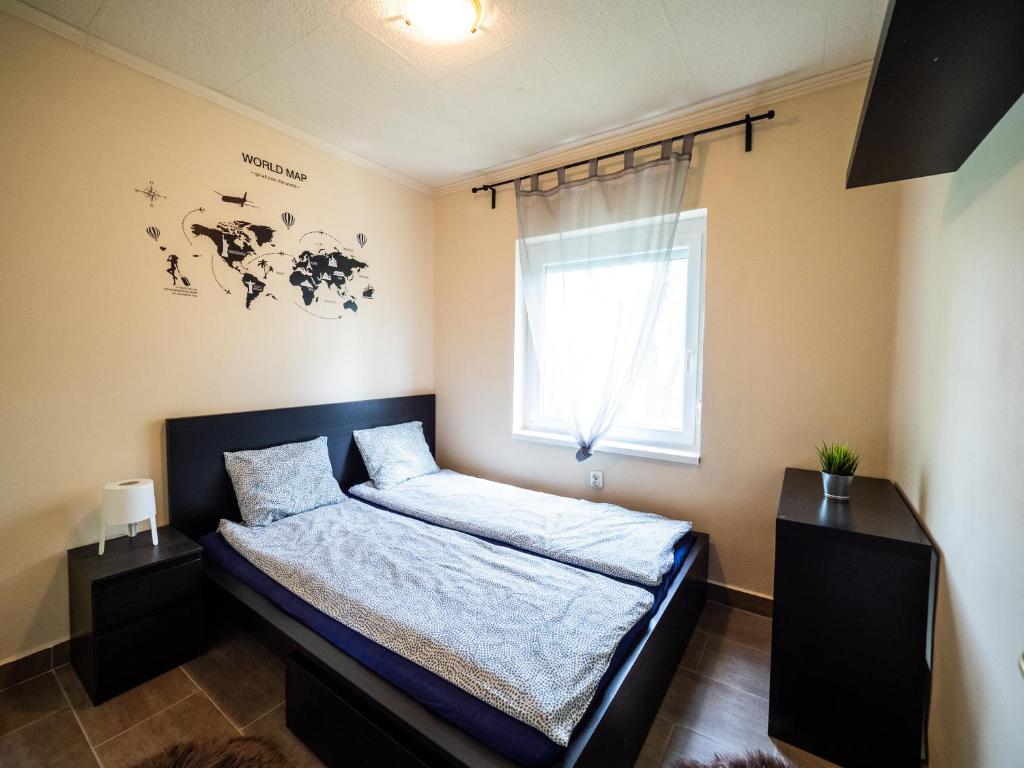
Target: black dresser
{"points": [[851, 636], [136, 611]]}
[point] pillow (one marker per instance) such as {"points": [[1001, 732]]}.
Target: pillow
{"points": [[395, 454], [284, 480]]}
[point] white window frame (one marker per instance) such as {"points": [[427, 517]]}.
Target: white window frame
{"points": [[663, 445]]}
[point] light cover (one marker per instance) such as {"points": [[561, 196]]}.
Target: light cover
{"points": [[443, 20]]}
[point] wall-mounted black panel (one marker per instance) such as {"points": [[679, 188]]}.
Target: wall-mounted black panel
{"points": [[945, 73]]}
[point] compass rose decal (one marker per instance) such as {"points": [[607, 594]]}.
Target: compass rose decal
{"points": [[151, 194]]}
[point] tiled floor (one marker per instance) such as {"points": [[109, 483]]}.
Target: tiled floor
{"points": [[717, 703], [718, 700]]}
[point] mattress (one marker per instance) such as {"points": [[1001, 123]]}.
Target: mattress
{"points": [[637, 547], [487, 723]]}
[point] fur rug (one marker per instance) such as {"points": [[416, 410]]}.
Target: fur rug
{"points": [[750, 760], [243, 752]]}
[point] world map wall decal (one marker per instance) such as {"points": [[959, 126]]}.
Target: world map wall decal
{"points": [[315, 272]]}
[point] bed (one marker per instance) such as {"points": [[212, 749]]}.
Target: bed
{"points": [[345, 702]]}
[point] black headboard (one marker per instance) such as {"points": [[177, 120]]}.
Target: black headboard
{"points": [[198, 486]]}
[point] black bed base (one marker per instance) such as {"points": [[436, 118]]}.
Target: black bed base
{"points": [[348, 716]]}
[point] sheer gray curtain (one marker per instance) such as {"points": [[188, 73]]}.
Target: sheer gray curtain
{"points": [[593, 258]]}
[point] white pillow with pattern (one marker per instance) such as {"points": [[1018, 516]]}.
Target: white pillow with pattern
{"points": [[284, 480], [395, 454]]}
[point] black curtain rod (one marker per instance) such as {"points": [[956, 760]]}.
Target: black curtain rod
{"points": [[747, 121]]}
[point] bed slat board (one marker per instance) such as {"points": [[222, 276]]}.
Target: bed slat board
{"points": [[199, 489]]}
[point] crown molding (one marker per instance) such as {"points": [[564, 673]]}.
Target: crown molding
{"points": [[121, 56], [674, 123]]}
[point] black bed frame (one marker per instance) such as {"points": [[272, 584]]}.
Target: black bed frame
{"points": [[344, 712]]}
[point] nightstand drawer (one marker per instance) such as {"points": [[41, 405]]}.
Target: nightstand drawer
{"points": [[140, 651], [134, 598]]}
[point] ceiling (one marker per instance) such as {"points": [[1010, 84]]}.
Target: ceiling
{"points": [[538, 74]]}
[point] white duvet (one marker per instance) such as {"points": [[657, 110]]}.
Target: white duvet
{"points": [[527, 635], [609, 539]]}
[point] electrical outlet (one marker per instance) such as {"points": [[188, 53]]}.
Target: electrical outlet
{"points": [[596, 479]]}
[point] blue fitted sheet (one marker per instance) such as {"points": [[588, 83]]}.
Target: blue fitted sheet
{"points": [[507, 736]]}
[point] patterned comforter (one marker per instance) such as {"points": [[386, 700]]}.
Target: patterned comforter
{"points": [[528, 636], [606, 538]]}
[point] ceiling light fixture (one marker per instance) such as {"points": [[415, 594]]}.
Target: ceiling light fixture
{"points": [[443, 19]]}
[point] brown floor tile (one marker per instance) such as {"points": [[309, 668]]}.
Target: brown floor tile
{"points": [[737, 665], [30, 701], [690, 745], [738, 626], [193, 719], [272, 726], [240, 675], [56, 740], [654, 746], [120, 713], [694, 650], [20, 670], [725, 714]]}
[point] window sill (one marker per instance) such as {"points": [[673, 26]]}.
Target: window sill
{"points": [[673, 455]]}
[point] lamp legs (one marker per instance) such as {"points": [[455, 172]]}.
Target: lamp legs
{"points": [[152, 529]]}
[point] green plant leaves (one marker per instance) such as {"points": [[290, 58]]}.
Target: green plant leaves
{"points": [[837, 458]]}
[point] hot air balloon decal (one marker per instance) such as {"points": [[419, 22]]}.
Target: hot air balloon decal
{"points": [[288, 219], [361, 239], [153, 232]]}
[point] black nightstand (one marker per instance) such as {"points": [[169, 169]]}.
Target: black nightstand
{"points": [[851, 635], [136, 612]]}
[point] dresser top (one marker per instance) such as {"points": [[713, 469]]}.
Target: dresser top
{"points": [[875, 508], [124, 555]]}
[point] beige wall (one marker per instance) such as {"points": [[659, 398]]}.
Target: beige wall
{"points": [[958, 433], [799, 316], [94, 353]]}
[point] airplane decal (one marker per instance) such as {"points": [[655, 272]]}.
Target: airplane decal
{"points": [[241, 202]]}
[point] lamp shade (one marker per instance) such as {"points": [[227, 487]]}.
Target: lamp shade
{"points": [[128, 501]]}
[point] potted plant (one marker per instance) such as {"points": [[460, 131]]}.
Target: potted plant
{"points": [[838, 463]]}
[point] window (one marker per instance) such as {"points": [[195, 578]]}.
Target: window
{"points": [[661, 418]]}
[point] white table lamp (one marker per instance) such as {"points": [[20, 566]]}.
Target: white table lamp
{"points": [[128, 502]]}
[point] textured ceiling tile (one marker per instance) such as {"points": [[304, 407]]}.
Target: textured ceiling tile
{"points": [[268, 24], [622, 54], [159, 32], [733, 44], [532, 13], [383, 19], [77, 13], [294, 100], [343, 58], [417, 137], [515, 100], [852, 30]]}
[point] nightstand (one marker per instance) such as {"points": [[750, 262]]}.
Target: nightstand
{"points": [[136, 611], [851, 635]]}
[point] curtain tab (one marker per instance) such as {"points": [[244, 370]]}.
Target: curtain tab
{"points": [[535, 182], [561, 176], [627, 159], [518, 183], [666, 149], [593, 168], [687, 145]]}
